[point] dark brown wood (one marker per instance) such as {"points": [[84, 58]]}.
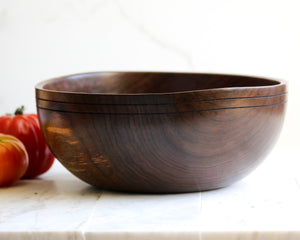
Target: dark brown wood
{"points": [[160, 132]]}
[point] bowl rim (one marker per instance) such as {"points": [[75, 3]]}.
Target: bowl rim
{"points": [[280, 82]]}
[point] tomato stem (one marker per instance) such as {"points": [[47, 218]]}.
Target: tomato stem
{"points": [[19, 110]]}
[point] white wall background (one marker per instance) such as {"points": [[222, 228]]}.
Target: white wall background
{"points": [[41, 39]]}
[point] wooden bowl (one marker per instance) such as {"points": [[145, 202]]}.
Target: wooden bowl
{"points": [[160, 132]]}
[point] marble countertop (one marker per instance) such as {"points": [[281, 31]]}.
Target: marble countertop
{"points": [[263, 206]]}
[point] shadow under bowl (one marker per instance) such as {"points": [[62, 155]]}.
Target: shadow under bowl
{"points": [[160, 132]]}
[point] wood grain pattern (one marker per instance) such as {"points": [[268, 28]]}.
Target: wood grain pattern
{"points": [[160, 132]]}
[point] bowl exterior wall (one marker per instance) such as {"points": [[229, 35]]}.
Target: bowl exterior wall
{"points": [[163, 152]]}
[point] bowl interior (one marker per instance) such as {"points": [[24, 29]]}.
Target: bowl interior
{"points": [[147, 82]]}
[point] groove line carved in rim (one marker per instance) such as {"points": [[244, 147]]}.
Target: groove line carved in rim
{"points": [[149, 113], [171, 103]]}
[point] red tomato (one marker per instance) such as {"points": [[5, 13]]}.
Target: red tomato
{"points": [[26, 128], [13, 159]]}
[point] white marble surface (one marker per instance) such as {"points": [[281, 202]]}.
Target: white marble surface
{"points": [[263, 206]]}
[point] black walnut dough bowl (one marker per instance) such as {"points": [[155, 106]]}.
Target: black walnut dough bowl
{"points": [[160, 132]]}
